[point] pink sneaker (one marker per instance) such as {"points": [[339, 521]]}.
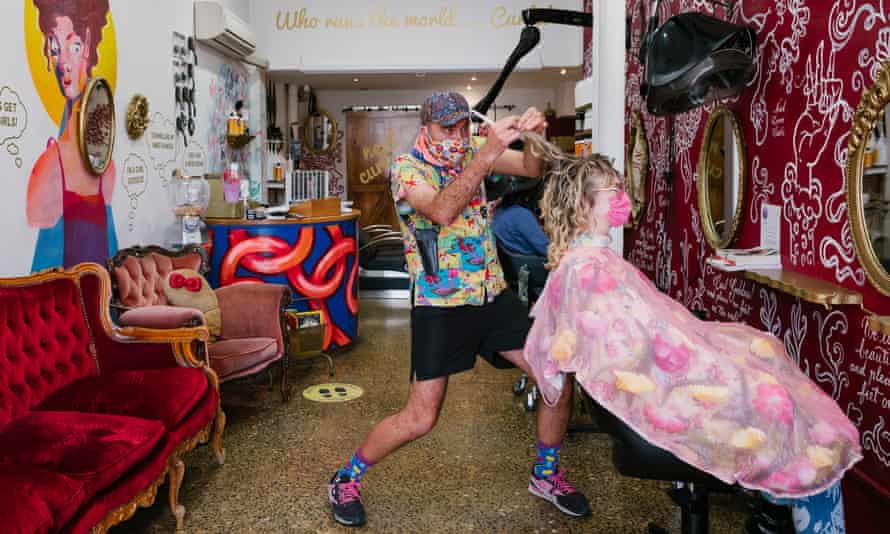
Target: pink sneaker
{"points": [[559, 491], [346, 501]]}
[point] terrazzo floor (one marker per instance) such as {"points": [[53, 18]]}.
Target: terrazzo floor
{"points": [[469, 475]]}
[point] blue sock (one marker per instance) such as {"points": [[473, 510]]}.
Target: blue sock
{"points": [[548, 459], [356, 467]]}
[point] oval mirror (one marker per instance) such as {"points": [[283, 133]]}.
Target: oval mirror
{"points": [[319, 132], [637, 167], [97, 125], [721, 177], [868, 182]]}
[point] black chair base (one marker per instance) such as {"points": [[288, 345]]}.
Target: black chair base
{"points": [[635, 457]]}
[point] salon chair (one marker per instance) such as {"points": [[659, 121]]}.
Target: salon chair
{"points": [[526, 275], [635, 457], [383, 266], [381, 249]]}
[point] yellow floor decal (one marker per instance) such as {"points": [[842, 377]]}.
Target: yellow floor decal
{"points": [[333, 392]]}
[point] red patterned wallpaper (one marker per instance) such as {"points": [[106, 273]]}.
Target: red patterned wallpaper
{"points": [[815, 58]]}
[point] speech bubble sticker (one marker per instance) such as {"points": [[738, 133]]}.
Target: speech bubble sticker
{"points": [[13, 122], [194, 162], [13, 150], [134, 175], [160, 138], [13, 115], [134, 178]]}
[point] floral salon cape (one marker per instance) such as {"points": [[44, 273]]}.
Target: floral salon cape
{"points": [[723, 397]]}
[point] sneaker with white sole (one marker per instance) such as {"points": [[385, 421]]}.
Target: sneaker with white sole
{"points": [[559, 491]]}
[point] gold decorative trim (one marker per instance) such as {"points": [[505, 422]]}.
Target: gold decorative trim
{"points": [[873, 101], [137, 116], [306, 135], [94, 84], [144, 499], [704, 207], [879, 324], [806, 287], [86, 321], [148, 496], [637, 140]]}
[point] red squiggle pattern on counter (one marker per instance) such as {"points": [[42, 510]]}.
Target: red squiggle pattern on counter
{"points": [[268, 255]]}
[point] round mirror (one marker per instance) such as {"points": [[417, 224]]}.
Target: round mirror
{"points": [[721, 177], [637, 167], [319, 132], [96, 125], [868, 183]]}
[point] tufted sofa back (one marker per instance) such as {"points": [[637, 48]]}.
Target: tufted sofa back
{"points": [[139, 278], [44, 343]]}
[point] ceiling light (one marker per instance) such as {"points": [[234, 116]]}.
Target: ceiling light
{"points": [[469, 88], [473, 79], [355, 80], [420, 74], [563, 72]]}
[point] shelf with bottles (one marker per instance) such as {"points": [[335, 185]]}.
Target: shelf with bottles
{"points": [[239, 141], [877, 149], [875, 170]]}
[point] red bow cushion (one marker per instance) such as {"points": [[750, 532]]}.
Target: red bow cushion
{"points": [[188, 289]]}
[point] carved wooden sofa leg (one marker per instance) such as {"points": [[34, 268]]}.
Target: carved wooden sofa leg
{"points": [[219, 423], [219, 426], [176, 475], [285, 387]]}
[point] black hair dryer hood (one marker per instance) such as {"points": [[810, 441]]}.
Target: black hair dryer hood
{"points": [[693, 59]]}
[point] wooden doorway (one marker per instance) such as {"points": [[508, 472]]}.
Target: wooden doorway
{"points": [[374, 140]]}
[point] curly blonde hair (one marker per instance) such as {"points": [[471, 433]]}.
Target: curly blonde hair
{"points": [[569, 191]]}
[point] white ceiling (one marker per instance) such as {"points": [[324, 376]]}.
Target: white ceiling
{"points": [[548, 78]]}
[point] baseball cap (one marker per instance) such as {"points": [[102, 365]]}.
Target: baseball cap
{"points": [[445, 108]]}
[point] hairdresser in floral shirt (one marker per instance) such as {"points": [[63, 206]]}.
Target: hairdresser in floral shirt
{"points": [[461, 305]]}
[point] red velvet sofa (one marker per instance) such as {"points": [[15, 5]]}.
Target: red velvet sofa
{"points": [[92, 419]]}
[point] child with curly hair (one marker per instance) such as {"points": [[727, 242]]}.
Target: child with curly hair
{"points": [[723, 397]]}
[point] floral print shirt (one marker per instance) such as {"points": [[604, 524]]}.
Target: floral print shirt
{"points": [[469, 271]]}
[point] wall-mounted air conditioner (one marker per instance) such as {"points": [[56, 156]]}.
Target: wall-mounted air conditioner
{"points": [[221, 29]]}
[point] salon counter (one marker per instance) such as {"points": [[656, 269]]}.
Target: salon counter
{"points": [[317, 257]]}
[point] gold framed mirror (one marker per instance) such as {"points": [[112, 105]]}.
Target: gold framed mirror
{"points": [[636, 167], [96, 125], [319, 132], [722, 174], [868, 182]]}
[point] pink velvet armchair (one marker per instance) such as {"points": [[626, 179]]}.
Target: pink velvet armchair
{"points": [[253, 334]]}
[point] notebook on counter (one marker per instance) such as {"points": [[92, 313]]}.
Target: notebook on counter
{"points": [[743, 259]]}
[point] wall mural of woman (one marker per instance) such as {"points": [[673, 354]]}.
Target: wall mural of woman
{"points": [[69, 42]]}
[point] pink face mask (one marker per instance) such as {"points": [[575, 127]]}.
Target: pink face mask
{"points": [[619, 207]]}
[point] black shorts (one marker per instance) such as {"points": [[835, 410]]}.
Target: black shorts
{"points": [[446, 340]]}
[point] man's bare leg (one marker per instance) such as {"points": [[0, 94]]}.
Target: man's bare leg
{"points": [[414, 421]]}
